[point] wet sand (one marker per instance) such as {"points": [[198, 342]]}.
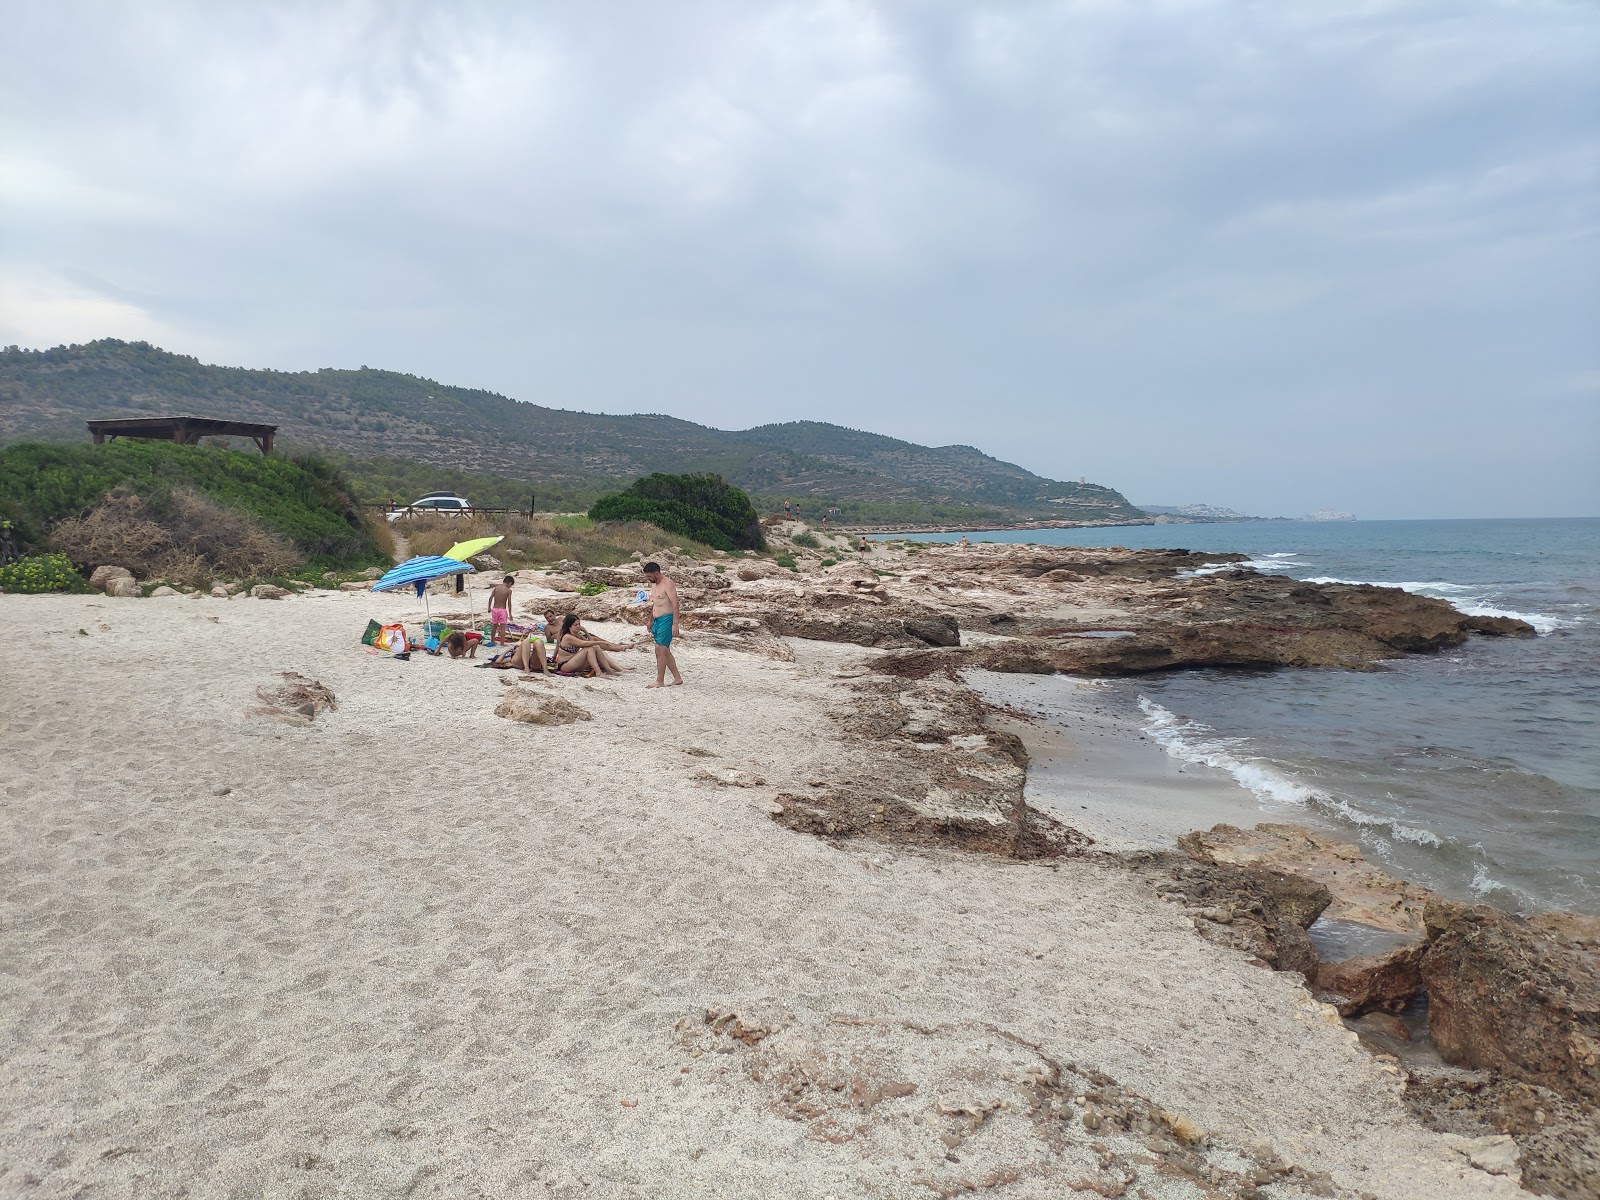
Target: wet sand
{"points": [[1094, 768]]}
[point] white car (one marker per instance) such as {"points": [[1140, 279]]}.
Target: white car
{"points": [[437, 504]]}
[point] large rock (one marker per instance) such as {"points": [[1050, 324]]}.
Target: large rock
{"points": [[614, 576], [1513, 998], [104, 575], [1500, 627], [1372, 982], [1361, 892], [846, 626], [268, 591], [164, 590], [373, 573], [937, 630], [1264, 913], [123, 585]]}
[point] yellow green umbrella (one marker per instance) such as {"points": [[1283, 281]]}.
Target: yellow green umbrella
{"points": [[462, 551]]}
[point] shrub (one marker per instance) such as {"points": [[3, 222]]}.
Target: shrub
{"points": [[41, 573], [182, 538], [303, 500], [787, 560], [591, 589], [830, 562], [806, 540], [701, 507]]}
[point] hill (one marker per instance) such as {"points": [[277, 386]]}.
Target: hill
{"points": [[376, 423]]}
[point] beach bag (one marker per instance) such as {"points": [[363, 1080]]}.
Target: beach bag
{"points": [[388, 635], [370, 637]]}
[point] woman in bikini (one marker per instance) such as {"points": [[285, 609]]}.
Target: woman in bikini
{"points": [[576, 652]]}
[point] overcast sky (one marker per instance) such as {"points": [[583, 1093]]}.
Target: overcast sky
{"points": [[1278, 256]]}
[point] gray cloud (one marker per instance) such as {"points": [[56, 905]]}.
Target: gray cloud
{"points": [[1280, 257]]}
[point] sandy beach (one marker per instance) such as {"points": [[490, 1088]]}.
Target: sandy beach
{"points": [[413, 948]]}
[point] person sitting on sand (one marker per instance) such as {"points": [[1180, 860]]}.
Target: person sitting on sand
{"points": [[577, 652], [500, 609], [463, 642], [533, 651]]}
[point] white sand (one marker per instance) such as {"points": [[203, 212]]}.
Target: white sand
{"points": [[421, 950]]}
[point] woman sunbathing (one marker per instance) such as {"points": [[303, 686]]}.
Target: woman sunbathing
{"points": [[576, 652], [532, 652]]}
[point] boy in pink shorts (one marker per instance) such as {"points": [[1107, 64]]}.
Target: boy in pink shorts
{"points": [[500, 609]]}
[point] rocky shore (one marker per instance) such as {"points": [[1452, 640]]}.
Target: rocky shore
{"points": [[793, 929], [1512, 1005]]}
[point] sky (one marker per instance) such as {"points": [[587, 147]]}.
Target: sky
{"points": [[1274, 256]]}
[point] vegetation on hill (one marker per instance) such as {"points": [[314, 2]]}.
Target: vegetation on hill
{"points": [[499, 450], [386, 480], [192, 509], [545, 539], [703, 507]]}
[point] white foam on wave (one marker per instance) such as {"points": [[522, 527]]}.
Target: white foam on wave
{"points": [[1456, 594], [1193, 742], [1280, 561]]}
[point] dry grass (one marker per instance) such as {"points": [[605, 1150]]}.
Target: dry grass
{"points": [[540, 540], [190, 540]]}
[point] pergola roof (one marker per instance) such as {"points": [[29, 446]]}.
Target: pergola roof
{"points": [[184, 430]]}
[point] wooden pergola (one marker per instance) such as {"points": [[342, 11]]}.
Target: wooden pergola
{"points": [[186, 431]]}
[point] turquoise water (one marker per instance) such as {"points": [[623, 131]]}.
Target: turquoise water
{"points": [[1475, 771]]}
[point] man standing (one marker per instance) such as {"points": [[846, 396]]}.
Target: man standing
{"points": [[664, 615]]}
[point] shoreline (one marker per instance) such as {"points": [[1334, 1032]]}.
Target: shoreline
{"points": [[1095, 768], [248, 947], [807, 926]]}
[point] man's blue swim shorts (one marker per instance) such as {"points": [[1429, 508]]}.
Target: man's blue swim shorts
{"points": [[661, 628]]}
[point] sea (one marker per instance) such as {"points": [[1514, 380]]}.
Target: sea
{"points": [[1475, 771]]}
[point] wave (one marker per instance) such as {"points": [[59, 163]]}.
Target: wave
{"points": [[1280, 561], [1194, 742], [1456, 594]]}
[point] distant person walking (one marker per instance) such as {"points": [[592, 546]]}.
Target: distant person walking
{"points": [[665, 611], [500, 609], [786, 508]]}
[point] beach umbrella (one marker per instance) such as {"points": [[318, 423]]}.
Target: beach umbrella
{"points": [[464, 551], [418, 571]]}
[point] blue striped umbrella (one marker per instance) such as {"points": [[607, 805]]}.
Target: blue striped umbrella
{"points": [[419, 570]]}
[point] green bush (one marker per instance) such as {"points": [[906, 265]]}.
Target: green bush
{"points": [[591, 589], [702, 507], [304, 499], [787, 560], [41, 573], [806, 540]]}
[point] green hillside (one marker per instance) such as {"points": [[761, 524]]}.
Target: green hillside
{"points": [[392, 433]]}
